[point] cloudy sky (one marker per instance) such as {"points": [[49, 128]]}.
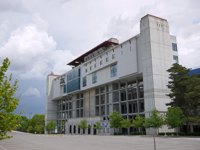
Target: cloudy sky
{"points": [[41, 36]]}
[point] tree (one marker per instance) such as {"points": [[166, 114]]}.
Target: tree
{"points": [[83, 125], [174, 117], [23, 124], [115, 120], [154, 121], [97, 126], [178, 76], [51, 126], [8, 101], [185, 89], [138, 122], [126, 123], [37, 124]]}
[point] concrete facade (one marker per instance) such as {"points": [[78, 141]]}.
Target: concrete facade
{"points": [[130, 78]]}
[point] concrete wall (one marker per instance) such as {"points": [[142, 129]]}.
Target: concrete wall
{"points": [[51, 107]]}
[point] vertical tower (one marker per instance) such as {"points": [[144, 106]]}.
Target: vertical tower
{"points": [[51, 107], [156, 59]]}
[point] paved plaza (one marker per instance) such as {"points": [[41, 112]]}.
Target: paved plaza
{"points": [[25, 141]]}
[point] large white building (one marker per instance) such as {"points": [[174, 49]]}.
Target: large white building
{"points": [[128, 77]]}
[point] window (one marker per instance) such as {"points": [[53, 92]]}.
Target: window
{"points": [[123, 108], [141, 106], [77, 104], [116, 96], [97, 100], [97, 111], [175, 58], [102, 89], [65, 88], [100, 62], [116, 107], [113, 70], [132, 107], [97, 91], [140, 91], [106, 59], [86, 70], [113, 56], [132, 93], [115, 86], [84, 81], [102, 110], [94, 77], [174, 46], [73, 80], [123, 95], [103, 99]]}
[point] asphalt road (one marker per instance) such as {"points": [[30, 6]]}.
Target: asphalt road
{"points": [[25, 141]]}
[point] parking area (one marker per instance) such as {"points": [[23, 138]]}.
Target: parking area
{"points": [[25, 141]]}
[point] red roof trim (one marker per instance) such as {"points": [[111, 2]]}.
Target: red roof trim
{"points": [[80, 59]]}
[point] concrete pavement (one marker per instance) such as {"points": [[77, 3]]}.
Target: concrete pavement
{"points": [[26, 141]]}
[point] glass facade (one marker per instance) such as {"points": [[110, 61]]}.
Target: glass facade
{"points": [[84, 81], [64, 111], [68, 108], [73, 80], [94, 77], [113, 70], [125, 97]]}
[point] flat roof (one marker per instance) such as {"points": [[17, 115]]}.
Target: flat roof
{"points": [[154, 17], [80, 59]]}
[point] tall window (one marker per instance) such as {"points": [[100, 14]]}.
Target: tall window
{"points": [[113, 70], [65, 88], [113, 56], [100, 101], [94, 77], [175, 58], [79, 105], [174, 46], [84, 81]]}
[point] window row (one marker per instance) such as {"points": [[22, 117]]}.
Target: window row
{"points": [[113, 73], [123, 108], [100, 63]]}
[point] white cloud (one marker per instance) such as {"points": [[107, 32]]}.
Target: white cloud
{"points": [[33, 52], [35, 34], [32, 92]]}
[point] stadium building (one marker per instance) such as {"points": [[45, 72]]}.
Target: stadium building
{"points": [[128, 77]]}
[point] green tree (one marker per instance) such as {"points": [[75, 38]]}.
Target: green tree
{"points": [[155, 121], [8, 101], [126, 123], [37, 124], [30, 129], [178, 76], [138, 122], [174, 117], [185, 89], [83, 125], [97, 126], [51, 126], [115, 120], [23, 124]]}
